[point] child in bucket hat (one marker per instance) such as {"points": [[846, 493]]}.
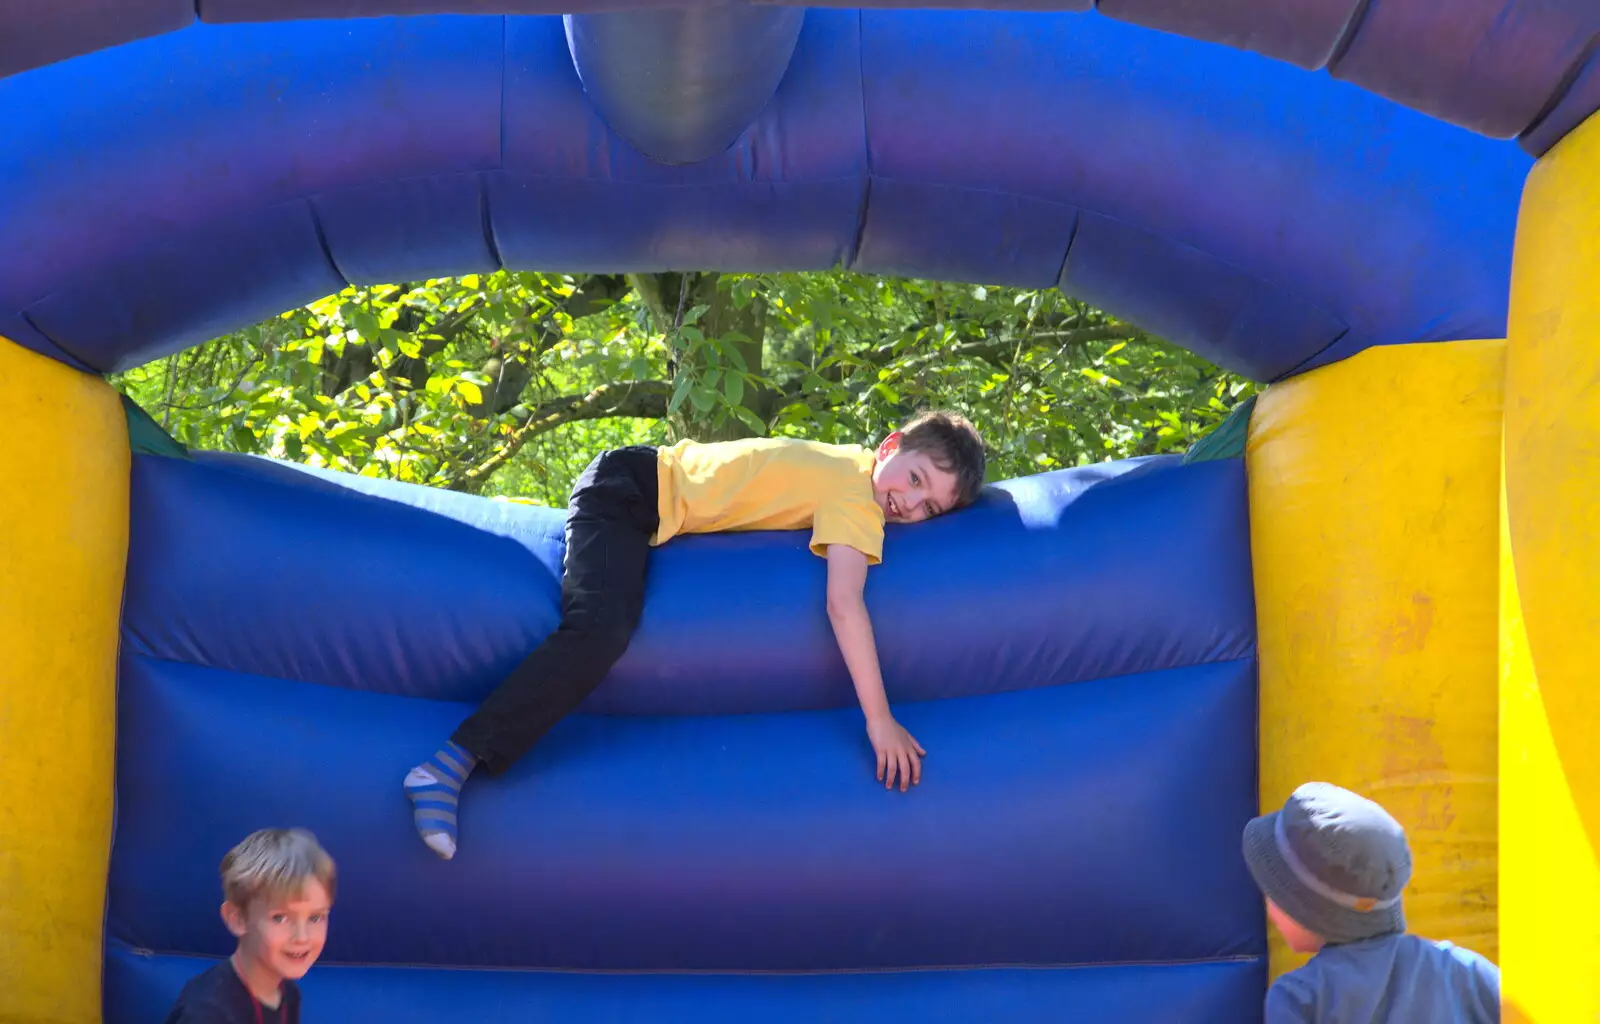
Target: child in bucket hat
{"points": [[1332, 866]]}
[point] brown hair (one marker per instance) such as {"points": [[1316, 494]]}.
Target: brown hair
{"points": [[952, 442], [275, 862]]}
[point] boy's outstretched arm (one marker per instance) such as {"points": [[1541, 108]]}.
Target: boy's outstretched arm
{"points": [[898, 751]]}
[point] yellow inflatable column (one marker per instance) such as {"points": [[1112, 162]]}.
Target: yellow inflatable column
{"points": [[1373, 493], [1550, 586], [63, 547]]}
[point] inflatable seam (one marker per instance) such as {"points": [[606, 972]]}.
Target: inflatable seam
{"points": [[1072, 237], [1563, 87], [322, 242], [132, 646], [866, 139], [1240, 958], [72, 359], [486, 212], [505, 60], [1311, 360], [107, 931], [854, 254], [1347, 37]]}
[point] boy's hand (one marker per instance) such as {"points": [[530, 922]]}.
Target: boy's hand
{"points": [[898, 752]]}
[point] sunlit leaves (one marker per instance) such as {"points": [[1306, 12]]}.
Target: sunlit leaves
{"points": [[410, 380]]}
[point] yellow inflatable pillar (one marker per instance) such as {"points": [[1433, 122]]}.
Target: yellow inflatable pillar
{"points": [[63, 548], [1550, 592], [1373, 501]]}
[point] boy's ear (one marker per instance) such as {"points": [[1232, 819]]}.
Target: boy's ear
{"points": [[234, 918], [889, 444]]}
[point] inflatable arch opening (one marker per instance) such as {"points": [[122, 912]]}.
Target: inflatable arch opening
{"points": [[1394, 224]]}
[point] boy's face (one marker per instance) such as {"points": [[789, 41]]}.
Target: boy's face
{"points": [[908, 486], [283, 936]]}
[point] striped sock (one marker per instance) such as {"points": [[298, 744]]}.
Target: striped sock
{"points": [[434, 789]]}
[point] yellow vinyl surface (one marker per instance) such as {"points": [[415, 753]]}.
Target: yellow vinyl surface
{"points": [[63, 548], [1550, 586], [1373, 503]]}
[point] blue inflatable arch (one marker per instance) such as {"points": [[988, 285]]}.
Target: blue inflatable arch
{"points": [[160, 193], [702, 845]]}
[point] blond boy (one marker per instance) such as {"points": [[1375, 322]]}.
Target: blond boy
{"points": [[278, 887]]}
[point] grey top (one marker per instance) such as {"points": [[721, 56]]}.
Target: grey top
{"points": [[1395, 979]]}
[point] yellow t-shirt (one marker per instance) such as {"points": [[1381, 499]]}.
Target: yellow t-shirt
{"points": [[770, 483]]}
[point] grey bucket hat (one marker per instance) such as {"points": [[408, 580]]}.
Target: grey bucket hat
{"points": [[1334, 861]]}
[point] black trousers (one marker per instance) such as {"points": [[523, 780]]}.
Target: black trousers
{"points": [[611, 518]]}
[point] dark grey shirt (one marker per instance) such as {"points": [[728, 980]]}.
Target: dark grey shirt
{"points": [[219, 997]]}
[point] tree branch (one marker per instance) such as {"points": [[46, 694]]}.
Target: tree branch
{"points": [[996, 350], [990, 351], [645, 398]]}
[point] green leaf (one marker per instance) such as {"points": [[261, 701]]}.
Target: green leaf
{"points": [[887, 393], [679, 393], [750, 419], [469, 391], [701, 398], [365, 322], [1033, 400]]}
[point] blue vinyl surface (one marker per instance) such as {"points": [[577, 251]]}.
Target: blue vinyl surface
{"points": [[1092, 823], [141, 987], [1073, 575], [34, 33], [1303, 32], [682, 84], [162, 192], [1492, 65], [1076, 653], [1432, 55]]}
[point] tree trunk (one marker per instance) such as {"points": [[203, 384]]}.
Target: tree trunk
{"points": [[736, 330]]}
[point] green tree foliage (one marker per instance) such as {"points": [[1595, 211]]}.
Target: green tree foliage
{"points": [[507, 383]]}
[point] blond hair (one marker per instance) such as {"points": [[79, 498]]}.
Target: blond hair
{"points": [[275, 862]]}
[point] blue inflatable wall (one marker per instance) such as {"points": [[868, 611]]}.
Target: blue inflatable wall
{"points": [[705, 841]]}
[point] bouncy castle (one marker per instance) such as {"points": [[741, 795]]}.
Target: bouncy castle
{"points": [[1387, 210]]}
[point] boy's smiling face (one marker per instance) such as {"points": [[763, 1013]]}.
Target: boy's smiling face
{"points": [[281, 937], [908, 486]]}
